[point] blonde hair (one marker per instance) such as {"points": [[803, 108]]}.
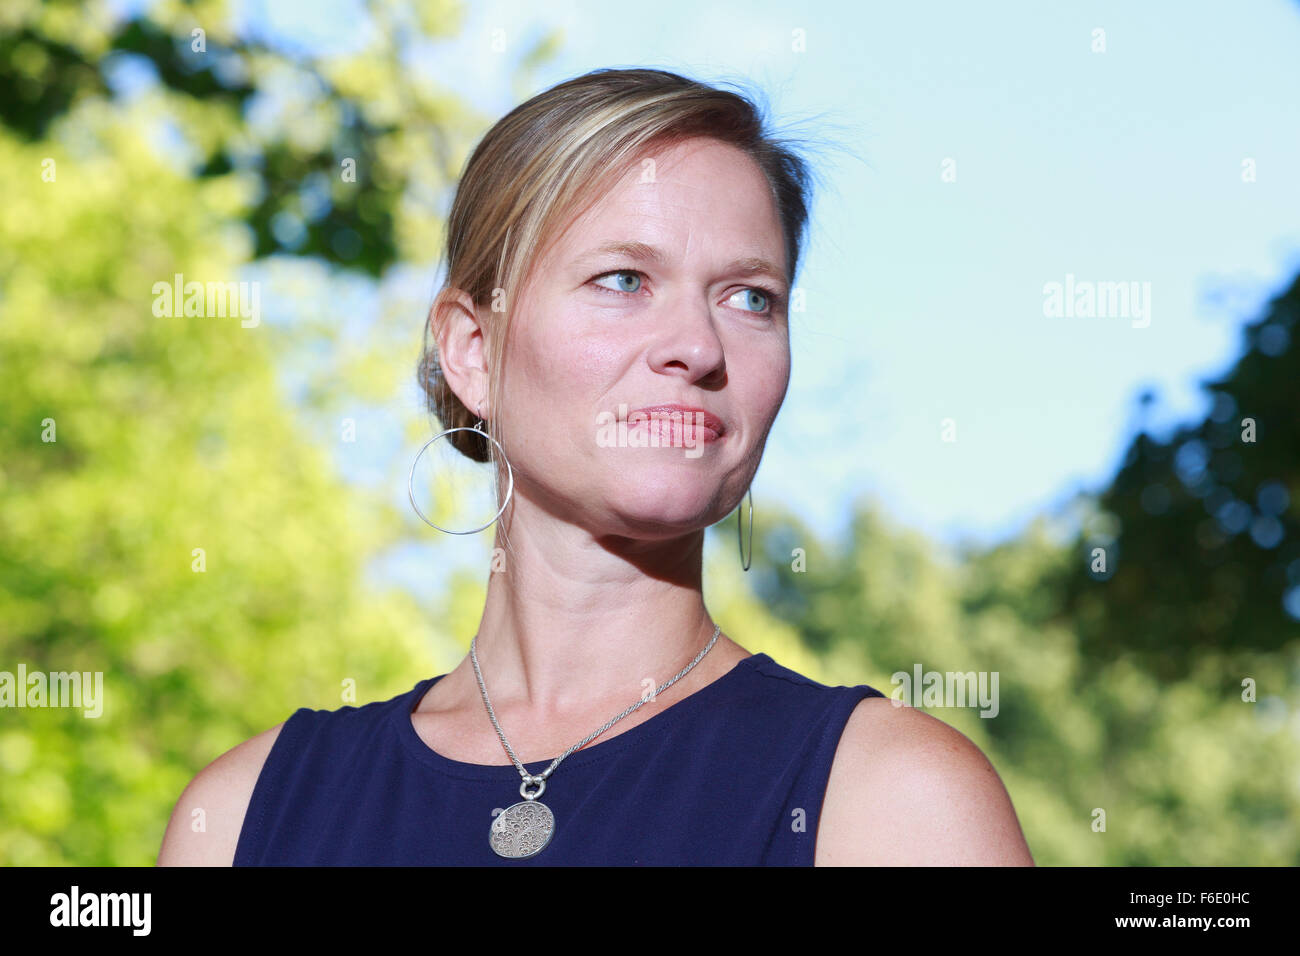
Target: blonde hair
{"points": [[546, 160]]}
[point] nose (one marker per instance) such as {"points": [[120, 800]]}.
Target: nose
{"points": [[688, 344]]}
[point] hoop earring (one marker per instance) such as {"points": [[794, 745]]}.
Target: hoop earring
{"points": [[510, 489], [744, 561]]}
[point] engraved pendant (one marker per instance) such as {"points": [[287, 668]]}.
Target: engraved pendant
{"points": [[522, 830]]}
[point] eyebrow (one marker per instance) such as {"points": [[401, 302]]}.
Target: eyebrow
{"points": [[746, 266]]}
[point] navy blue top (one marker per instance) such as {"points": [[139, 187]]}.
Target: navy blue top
{"points": [[733, 774]]}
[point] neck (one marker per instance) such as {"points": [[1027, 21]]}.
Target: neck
{"points": [[577, 621]]}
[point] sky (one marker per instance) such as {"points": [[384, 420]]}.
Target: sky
{"points": [[968, 156]]}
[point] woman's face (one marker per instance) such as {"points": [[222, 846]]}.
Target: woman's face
{"points": [[691, 311]]}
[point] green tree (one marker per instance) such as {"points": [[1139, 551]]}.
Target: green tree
{"points": [[1185, 772], [167, 517]]}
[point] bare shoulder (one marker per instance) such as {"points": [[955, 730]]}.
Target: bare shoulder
{"points": [[906, 789], [222, 791]]}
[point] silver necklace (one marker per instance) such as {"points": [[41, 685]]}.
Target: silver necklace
{"points": [[525, 828]]}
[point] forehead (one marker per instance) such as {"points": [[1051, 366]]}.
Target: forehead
{"points": [[690, 197]]}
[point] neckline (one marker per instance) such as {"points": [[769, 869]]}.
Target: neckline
{"points": [[596, 750]]}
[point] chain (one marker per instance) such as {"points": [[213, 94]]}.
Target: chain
{"points": [[528, 779]]}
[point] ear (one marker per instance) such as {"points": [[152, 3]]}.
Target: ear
{"points": [[455, 326]]}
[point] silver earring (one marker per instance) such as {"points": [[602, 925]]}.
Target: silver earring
{"points": [[744, 561], [510, 488]]}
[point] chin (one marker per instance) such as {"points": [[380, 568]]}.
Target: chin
{"points": [[647, 499], [658, 480], [645, 526]]}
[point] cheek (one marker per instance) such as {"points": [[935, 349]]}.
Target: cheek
{"points": [[598, 359], [581, 361], [770, 376], [566, 368]]}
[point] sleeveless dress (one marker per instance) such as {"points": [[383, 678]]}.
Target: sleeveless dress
{"points": [[732, 775]]}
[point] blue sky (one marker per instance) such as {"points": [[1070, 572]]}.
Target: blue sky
{"points": [[925, 296]]}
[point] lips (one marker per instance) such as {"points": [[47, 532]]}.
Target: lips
{"points": [[706, 427]]}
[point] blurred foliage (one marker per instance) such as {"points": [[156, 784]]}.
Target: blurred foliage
{"points": [[315, 116], [175, 434], [1202, 530], [1186, 771], [172, 433]]}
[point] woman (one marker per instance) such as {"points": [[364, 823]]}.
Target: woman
{"points": [[625, 240]]}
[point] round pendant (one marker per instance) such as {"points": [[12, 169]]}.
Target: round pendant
{"points": [[522, 830]]}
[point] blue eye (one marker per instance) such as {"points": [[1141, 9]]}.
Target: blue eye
{"points": [[764, 299], [636, 276], [758, 300]]}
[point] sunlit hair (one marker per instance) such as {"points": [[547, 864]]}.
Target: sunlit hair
{"points": [[549, 160]]}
